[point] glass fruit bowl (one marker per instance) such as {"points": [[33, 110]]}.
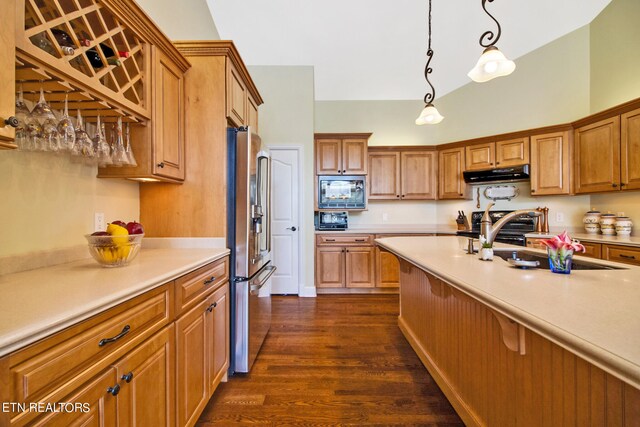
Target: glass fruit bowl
{"points": [[114, 251]]}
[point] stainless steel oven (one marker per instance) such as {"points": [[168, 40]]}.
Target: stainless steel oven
{"points": [[342, 192]]}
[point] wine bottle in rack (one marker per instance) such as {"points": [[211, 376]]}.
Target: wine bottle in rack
{"points": [[96, 61]]}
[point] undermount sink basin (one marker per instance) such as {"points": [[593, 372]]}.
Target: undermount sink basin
{"points": [[576, 264]]}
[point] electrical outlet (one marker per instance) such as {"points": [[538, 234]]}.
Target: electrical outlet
{"points": [[98, 222], [385, 217], [559, 217]]}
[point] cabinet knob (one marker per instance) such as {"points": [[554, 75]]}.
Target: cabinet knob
{"points": [[11, 121], [114, 390], [533, 190], [212, 306], [397, 195], [622, 184], [614, 185], [160, 165], [127, 377]]}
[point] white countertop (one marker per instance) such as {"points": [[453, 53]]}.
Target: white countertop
{"points": [[40, 302], [595, 238], [395, 229], [593, 313]]}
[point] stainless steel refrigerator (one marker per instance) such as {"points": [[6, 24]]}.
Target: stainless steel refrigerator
{"points": [[249, 238]]}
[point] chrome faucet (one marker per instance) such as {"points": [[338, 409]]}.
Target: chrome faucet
{"points": [[488, 230]]}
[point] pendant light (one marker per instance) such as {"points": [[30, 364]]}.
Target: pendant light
{"points": [[429, 114], [492, 62]]}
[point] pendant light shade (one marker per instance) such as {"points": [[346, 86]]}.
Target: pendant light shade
{"points": [[429, 116], [492, 62]]}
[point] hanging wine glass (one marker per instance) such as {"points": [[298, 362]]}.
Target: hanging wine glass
{"points": [[101, 146], [83, 146], [119, 156], [131, 160], [22, 112], [112, 138], [48, 137], [66, 130]]}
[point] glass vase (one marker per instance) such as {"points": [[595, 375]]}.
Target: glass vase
{"points": [[560, 261]]}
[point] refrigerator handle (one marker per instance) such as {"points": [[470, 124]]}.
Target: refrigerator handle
{"points": [[261, 279]]}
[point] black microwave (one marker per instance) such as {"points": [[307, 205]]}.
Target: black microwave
{"points": [[342, 192]]}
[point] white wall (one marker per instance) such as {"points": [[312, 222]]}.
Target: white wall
{"points": [[286, 118], [182, 20], [48, 202]]}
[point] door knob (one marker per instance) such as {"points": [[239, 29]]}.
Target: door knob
{"points": [[292, 228]]}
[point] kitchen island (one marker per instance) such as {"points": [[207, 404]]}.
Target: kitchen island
{"points": [[522, 347]]}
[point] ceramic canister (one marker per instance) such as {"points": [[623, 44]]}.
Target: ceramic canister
{"points": [[608, 224], [623, 225], [591, 221]]}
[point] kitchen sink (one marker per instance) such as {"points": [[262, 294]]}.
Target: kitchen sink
{"points": [[576, 264]]}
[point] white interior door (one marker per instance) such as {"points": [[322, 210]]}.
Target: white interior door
{"points": [[285, 224]]}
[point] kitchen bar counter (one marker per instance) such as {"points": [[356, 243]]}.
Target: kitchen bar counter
{"points": [[592, 313], [395, 229], [40, 302]]}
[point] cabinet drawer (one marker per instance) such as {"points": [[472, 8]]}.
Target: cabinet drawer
{"points": [[344, 239], [626, 254], [77, 353], [592, 250], [191, 287]]}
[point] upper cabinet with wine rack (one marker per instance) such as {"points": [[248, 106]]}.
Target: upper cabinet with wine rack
{"points": [[104, 55]]}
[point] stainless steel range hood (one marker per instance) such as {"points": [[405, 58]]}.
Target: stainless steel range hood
{"points": [[513, 174]]}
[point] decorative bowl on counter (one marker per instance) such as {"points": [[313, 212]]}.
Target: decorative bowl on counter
{"points": [[608, 224], [591, 221], [623, 225], [114, 251]]}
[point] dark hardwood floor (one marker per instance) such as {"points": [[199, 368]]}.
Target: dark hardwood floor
{"points": [[333, 360]]}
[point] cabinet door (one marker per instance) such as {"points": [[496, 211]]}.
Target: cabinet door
{"points": [[328, 153], [330, 267], [481, 156], [220, 337], [236, 97], [550, 164], [360, 271], [514, 152], [592, 250], [168, 118], [387, 269], [192, 358], [7, 74], [384, 175], [354, 156], [146, 378], [597, 156], [618, 253], [451, 184], [252, 115], [630, 151], [418, 175], [100, 405]]}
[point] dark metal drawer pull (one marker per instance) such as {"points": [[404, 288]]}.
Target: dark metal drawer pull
{"points": [[127, 377], [124, 332], [627, 256], [361, 240], [210, 280], [114, 390], [330, 240], [212, 306]]}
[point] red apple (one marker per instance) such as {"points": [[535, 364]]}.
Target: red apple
{"points": [[120, 223], [100, 233], [135, 228]]}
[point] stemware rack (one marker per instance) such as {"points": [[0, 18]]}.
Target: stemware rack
{"points": [[112, 30]]}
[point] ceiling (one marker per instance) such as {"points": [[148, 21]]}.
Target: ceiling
{"points": [[376, 50]]}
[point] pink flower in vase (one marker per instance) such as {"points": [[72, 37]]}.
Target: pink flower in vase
{"points": [[560, 248]]}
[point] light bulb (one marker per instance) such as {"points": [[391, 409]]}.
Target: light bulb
{"points": [[492, 64]]}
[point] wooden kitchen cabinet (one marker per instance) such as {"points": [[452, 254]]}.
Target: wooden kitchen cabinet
{"points": [[550, 164], [501, 154], [451, 164], [252, 114], [345, 261], [630, 150], [383, 182], [387, 269], [201, 340], [620, 253], [163, 158], [7, 76], [236, 97], [597, 156], [341, 154], [480, 156], [163, 208], [402, 174]]}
